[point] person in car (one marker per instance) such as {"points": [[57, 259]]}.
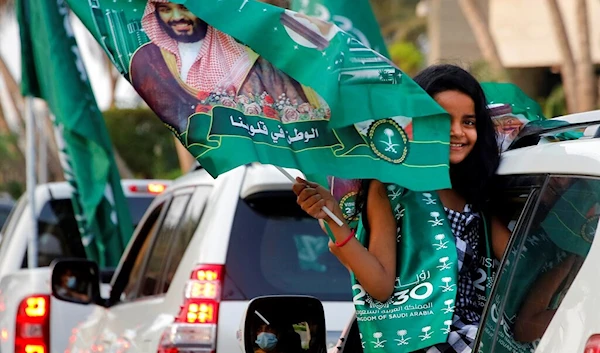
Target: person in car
{"points": [[68, 287], [266, 339], [376, 266]]}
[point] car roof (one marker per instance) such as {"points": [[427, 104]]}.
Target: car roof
{"points": [[63, 190], [577, 157], [258, 178]]}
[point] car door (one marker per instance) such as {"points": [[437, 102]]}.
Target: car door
{"points": [[545, 298], [93, 334], [134, 323]]}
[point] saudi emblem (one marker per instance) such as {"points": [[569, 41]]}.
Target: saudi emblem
{"points": [[348, 206], [588, 230], [388, 141]]}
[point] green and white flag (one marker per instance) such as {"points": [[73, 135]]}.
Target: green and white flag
{"points": [[241, 81], [52, 70], [356, 20]]}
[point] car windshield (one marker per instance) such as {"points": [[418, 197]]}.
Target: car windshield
{"points": [[58, 232], [275, 248]]}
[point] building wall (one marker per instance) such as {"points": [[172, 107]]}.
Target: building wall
{"points": [[522, 29], [450, 37], [525, 34]]}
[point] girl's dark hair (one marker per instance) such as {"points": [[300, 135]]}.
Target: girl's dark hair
{"points": [[472, 177]]}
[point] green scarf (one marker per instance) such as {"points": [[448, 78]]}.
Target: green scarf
{"points": [[419, 312]]}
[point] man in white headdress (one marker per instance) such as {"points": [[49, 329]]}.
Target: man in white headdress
{"points": [[188, 66]]}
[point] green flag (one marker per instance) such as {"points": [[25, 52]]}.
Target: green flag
{"points": [[356, 20], [298, 92], [52, 69]]}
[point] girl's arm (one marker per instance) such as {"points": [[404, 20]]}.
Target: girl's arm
{"points": [[500, 238], [374, 268], [535, 315]]}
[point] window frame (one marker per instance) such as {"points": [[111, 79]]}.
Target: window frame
{"points": [[138, 296], [523, 223], [123, 272], [200, 190]]}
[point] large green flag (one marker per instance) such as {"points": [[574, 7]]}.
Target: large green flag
{"points": [[52, 69], [357, 20], [241, 81]]}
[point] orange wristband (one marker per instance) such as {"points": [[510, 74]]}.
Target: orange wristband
{"points": [[345, 241]]}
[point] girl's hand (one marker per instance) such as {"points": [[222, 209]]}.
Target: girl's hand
{"points": [[312, 197]]}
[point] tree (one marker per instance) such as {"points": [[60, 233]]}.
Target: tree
{"points": [[585, 68], [483, 35], [567, 67]]}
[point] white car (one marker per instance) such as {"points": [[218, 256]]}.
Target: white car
{"points": [[205, 248], [30, 319]]}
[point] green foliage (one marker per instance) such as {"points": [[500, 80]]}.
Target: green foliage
{"points": [[555, 104], [8, 147], [143, 142], [14, 188], [406, 55]]}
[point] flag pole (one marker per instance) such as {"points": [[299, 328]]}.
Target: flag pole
{"points": [[42, 165], [325, 209], [32, 244]]}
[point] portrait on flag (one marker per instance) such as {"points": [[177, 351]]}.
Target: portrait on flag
{"points": [[192, 64]]}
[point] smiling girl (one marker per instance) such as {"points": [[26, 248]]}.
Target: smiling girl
{"points": [[375, 258]]}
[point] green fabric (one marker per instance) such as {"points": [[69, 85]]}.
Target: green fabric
{"points": [[508, 93], [357, 20], [572, 221], [52, 70], [419, 312], [523, 111], [343, 80]]}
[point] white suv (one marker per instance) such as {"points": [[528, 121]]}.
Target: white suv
{"points": [[205, 248], [30, 319]]}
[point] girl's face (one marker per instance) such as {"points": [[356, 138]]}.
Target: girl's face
{"points": [[463, 133]]}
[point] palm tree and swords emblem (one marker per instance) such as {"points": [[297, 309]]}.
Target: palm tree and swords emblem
{"points": [[388, 140]]}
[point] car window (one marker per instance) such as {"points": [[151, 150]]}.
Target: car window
{"points": [[276, 248], [58, 233], [541, 264], [139, 253], [158, 255], [137, 207], [5, 210], [10, 224], [184, 233]]}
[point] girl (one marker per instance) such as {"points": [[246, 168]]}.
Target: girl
{"points": [[473, 161]]}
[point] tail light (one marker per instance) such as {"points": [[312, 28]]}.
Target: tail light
{"points": [[32, 331], [152, 188], [195, 328], [593, 344]]}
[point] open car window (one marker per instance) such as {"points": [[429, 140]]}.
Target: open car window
{"points": [[541, 263]]}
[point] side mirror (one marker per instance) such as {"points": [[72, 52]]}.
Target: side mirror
{"points": [[290, 324], [75, 281]]}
